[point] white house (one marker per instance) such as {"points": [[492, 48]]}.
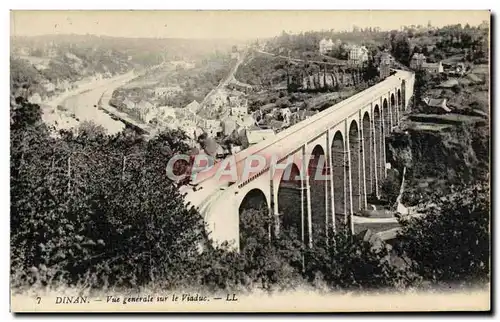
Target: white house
{"points": [[213, 127], [255, 136], [167, 91], [358, 55], [325, 46], [35, 99], [193, 107], [238, 111]]}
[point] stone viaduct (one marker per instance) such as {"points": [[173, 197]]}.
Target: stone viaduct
{"points": [[350, 139]]}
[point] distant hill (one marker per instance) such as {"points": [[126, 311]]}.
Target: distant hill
{"points": [[39, 61], [144, 51]]}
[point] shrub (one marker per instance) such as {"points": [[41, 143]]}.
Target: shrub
{"points": [[391, 186], [346, 262], [451, 243], [96, 208]]}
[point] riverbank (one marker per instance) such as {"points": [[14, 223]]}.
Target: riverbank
{"points": [[67, 111]]}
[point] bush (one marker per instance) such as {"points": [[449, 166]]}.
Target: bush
{"points": [[391, 186], [96, 208], [451, 243], [349, 263]]}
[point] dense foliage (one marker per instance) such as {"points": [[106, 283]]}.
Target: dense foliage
{"points": [[452, 242], [95, 208]]}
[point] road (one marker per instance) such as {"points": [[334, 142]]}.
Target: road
{"points": [[226, 80]]}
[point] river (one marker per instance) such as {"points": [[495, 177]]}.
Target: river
{"points": [[81, 105]]}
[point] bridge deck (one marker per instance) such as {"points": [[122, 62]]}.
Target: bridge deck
{"points": [[285, 142]]}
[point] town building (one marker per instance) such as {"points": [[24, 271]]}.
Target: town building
{"points": [[437, 105], [325, 46], [417, 61], [358, 55], [146, 111], [35, 99], [48, 86], [166, 114], [190, 128], [252, 137], [228, 126], [129, 104], [235, 55], [213, 127], [167, 91], [193, 107], [433, 68], [246, 122], [63, 85], [238, 111], [456, 70], [384, 70]]}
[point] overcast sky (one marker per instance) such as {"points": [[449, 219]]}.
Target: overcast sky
{"points": [[223, 24]]}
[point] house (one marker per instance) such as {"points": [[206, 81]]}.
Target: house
{"points": [[417, 60], [458, 70], [191, 129], [430, 48], [212, 148], [384, 69], [146, 111], [246, 121], [63, 85], [193, 107], [166, 114], [35, 99], [449, 83], [276, 125], [474, 78], [148, 115], [235, 55], [325, 46], [212, 127], [252, 137], [438, 105], [384, 57], [238, 111], [49, 87], [303, 114], [129, 104], [228, 126], [287, 115], [167, 91], [358, 55], [144, 106], [433, 68], [235, 149]]}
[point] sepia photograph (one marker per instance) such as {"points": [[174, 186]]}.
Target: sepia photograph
{"points": [[250, 161]]}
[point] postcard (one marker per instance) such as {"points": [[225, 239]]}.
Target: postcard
{"points": [[250, 161]]}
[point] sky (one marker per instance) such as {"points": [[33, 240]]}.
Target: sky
{"points": [[223, 24]]}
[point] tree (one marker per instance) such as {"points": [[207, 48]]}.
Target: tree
{"points": [[422, 79], [98, 209], [347, 262], [401, 48], [451, 243]]}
